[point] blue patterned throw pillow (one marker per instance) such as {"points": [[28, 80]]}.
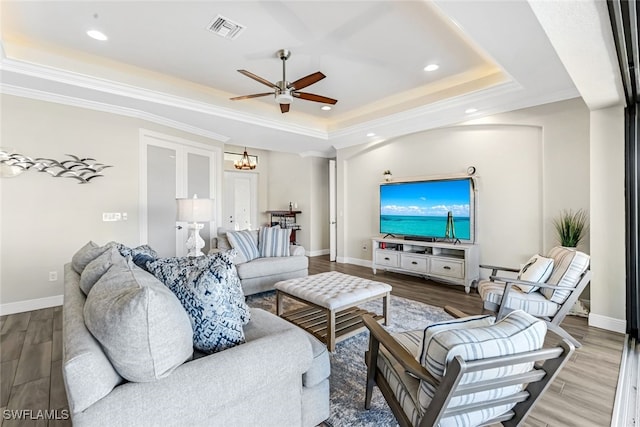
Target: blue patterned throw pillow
{"points": [[210, 291], [140, 255]]}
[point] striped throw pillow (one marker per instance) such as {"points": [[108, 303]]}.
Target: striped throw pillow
{"points": [[274, 241], [516, 333], [569, 264], [244, 242]]}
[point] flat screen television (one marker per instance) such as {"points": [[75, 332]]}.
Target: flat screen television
{"points": [[421, 209]]}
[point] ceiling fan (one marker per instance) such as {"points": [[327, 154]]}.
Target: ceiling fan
{"points": [[285, 91]]}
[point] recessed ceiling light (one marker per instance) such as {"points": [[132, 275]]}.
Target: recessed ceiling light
{"points": [[98, 35], [325, 108], [431, 67], [470, 110], [370, 134]]}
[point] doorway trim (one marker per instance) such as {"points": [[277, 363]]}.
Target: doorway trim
{"points": [[148, 137]]}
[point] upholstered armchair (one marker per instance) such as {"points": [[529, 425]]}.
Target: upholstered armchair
{"points": [[470, 371], [546, 287]]}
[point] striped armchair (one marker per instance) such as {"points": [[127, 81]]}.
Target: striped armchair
{"points": [[465, 372], [548, 291]]}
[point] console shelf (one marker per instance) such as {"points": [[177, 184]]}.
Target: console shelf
{"points": [[442, 261]]}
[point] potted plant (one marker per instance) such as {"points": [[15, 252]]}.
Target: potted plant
{"points": [[571, 227]]}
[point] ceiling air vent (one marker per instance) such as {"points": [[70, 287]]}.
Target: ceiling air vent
{"points": [[226, 28]]}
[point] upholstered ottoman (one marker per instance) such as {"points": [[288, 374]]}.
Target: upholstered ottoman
{"points": [[330, 299]]}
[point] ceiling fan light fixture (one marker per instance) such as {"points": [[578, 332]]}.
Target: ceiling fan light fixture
{"points": [[431, 67], [325, 108], [284, 98]]}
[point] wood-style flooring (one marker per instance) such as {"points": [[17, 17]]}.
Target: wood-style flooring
{"points": [[582, 395]]}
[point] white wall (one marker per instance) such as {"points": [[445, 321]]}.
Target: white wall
{"points": [[579, 166], [305, 181], [607, 210], [509, 184], [45, 220]]}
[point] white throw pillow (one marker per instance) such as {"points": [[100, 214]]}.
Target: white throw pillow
{"points": [[537, 269]]}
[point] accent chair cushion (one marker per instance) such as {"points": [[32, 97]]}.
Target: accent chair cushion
{"points": [[140, 324], [210, 291], [534, 303], [568, 266], [274, 241], [537, 269], [516, 333], [245, 243]]}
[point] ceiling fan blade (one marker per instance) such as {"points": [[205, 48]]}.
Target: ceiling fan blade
{"points": [[255, 95], [258, 78], [307, 81], [313, 97], [284, 108]]}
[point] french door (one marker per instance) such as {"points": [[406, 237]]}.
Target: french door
{"points": [[173, 168]]}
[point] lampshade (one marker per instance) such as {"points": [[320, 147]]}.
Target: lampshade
{"points": [[195, 210]]}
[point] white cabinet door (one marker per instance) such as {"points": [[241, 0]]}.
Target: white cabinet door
{"points": [[173, 168]]}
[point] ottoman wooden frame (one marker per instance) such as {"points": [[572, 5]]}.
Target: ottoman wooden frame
{"points": [[335, 317]]}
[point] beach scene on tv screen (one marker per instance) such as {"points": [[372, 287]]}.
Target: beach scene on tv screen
{"points": [[421, 208]]}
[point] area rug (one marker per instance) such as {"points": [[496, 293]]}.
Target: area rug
{"points": [[348, 370]]}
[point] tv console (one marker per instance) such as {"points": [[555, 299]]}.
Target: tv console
{"points": [[442, 261]]}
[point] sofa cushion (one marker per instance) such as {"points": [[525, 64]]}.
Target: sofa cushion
{"points": [[130, 313], [245, 242], [210, 291], [515, 333], [86, 254], [260, 267], [569, 265], [274, 241], [88, 373], [537, 269], [96, 268]]}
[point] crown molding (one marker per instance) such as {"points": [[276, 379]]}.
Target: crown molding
{"points": [[108, 108], [430, 116], [437, 114], [142, 94]]}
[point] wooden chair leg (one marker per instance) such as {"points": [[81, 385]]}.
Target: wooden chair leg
{"points": [[371, 359]]}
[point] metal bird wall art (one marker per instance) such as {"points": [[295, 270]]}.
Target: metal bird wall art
{"points": [[84, 170]]}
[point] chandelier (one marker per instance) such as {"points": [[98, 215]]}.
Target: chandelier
{"points": [[245, 162]]}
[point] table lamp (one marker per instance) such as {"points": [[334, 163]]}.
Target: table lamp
{"points": [[195, 211]]}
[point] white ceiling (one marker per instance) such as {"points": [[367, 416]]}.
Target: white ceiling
{"points": [[162, 64]]}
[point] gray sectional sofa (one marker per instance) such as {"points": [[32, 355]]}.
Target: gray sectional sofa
{"points": [[260, 274], [278, 377]]}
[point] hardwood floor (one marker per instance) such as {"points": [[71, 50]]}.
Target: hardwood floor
{"points": [[582, 395]]}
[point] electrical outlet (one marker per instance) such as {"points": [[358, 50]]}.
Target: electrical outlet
{"points": [[53, 276], [365, 246]]}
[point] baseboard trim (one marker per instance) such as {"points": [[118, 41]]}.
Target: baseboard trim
{"points": [[354, 261], [318, 253], [30, 305], [608, 323]]}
